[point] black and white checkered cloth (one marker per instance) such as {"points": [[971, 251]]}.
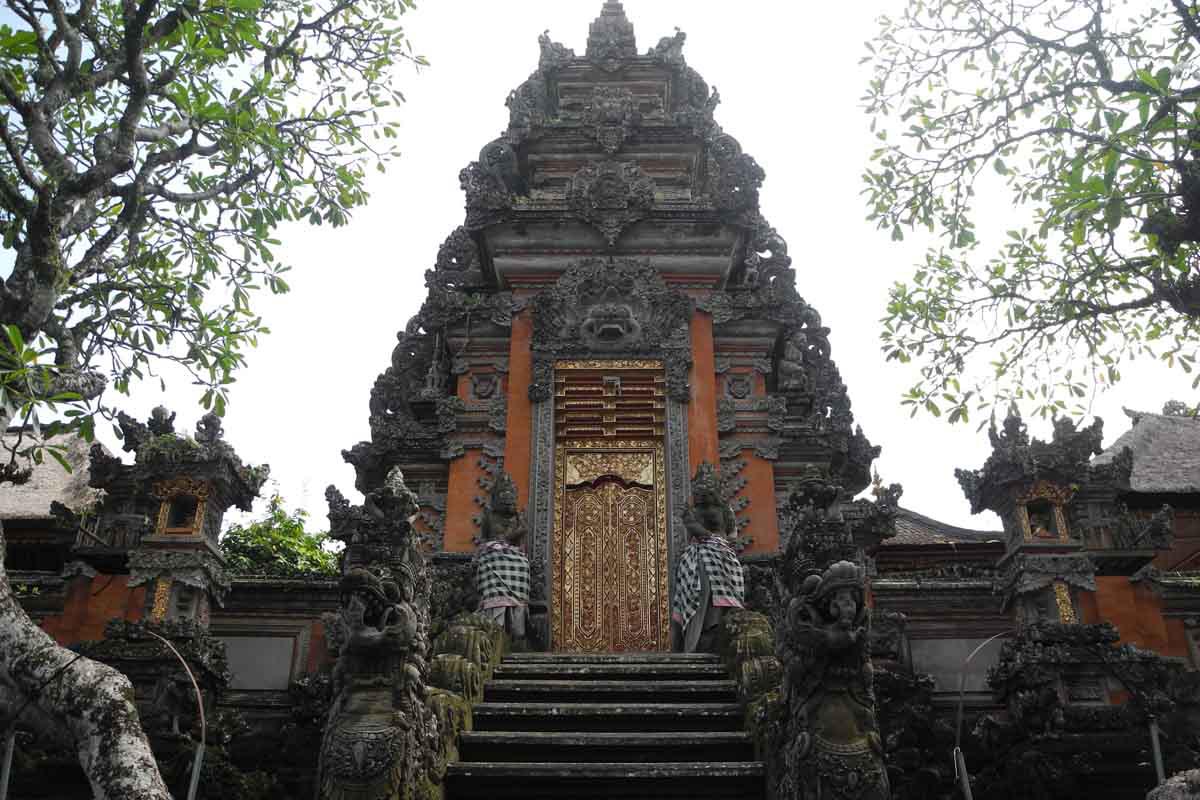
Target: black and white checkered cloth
{"points": [[726, 581], [501, 575]]}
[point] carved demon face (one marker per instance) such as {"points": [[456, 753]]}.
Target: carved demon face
{"points": [[367, 597], [610, 323]]}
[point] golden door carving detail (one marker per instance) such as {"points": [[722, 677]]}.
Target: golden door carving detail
{"points": [[610, 557]]}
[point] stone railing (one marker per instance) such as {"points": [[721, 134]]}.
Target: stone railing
{"points": [[465, 654], [747, 648]]}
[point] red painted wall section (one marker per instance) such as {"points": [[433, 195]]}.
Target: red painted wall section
{"points": [[518, 441], [460, 503], [1185, 551], [1085, 603], [702, 410], [318, 650], [1138, 614], [90, 604], [760, 491]]}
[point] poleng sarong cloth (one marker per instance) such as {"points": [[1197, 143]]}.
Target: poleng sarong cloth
{"points": [[727, 584], [501, 576]]}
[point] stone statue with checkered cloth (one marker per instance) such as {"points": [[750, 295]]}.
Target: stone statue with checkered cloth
{"points": [[501, 566], [708, 578]]}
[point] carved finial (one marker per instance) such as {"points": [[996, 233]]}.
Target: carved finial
{"points": [[134, 433], [162, 421], [554, 55], [611, 40]]}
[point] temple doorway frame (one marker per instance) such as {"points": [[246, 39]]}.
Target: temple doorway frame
{"points": [[541, 508]]}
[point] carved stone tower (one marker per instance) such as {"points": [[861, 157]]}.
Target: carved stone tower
{"points": [[163, 513], [159, 519], [1030, 484], [613, 312]]}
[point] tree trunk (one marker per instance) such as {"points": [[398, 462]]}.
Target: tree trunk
{"points": [[86, 702]]}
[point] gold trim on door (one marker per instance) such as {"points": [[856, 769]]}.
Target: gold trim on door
{"points": [[609, 549]]}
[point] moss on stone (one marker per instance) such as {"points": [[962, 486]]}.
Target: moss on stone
{"points": [[453, 712], [475, 638], [757, 675], [758, 720], [457, 674]]}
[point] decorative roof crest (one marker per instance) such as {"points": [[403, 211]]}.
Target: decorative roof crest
{"points": [[611, 40], [1018, 460]]}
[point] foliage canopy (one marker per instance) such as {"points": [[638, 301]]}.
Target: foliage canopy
{"points": [[1086, 111], [149, 150], [277, 545]]}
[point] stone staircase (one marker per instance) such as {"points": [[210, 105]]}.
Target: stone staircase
{"points": [[561, 725]]}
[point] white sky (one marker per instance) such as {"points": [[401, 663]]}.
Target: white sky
{"points": [[790, 87]]}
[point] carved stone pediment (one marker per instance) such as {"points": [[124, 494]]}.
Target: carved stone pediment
{"points": [[618, 307]]}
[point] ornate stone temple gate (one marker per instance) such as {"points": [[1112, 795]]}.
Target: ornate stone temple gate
{"points": [[613, 312]]}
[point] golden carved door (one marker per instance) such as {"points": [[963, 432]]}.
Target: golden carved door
{"points": [[610, 549]]}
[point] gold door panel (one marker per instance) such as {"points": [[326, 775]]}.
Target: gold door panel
{"points": [[609, 551]]}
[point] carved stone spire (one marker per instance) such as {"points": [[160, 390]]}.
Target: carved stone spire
{"points": [[611, 40]]}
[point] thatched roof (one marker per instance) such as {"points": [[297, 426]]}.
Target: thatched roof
{"points": [[1166, 453], [917, 529], [50, 482]]}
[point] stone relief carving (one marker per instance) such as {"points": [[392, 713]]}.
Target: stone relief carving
{"points": [[498, 414], [457, 264], [734, 177], [432, 513], [613, 113], [491, 183], [484, 385], [619, 307], [611, 196], [739, 386]]}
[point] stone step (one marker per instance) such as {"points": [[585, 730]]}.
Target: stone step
{"points": [[722, 780], [608, 691], [570, 746], [588, 717], [617, 670], [612, 658]]}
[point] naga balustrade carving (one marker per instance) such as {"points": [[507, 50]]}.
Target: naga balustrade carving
{"points": [[382, 737]]}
